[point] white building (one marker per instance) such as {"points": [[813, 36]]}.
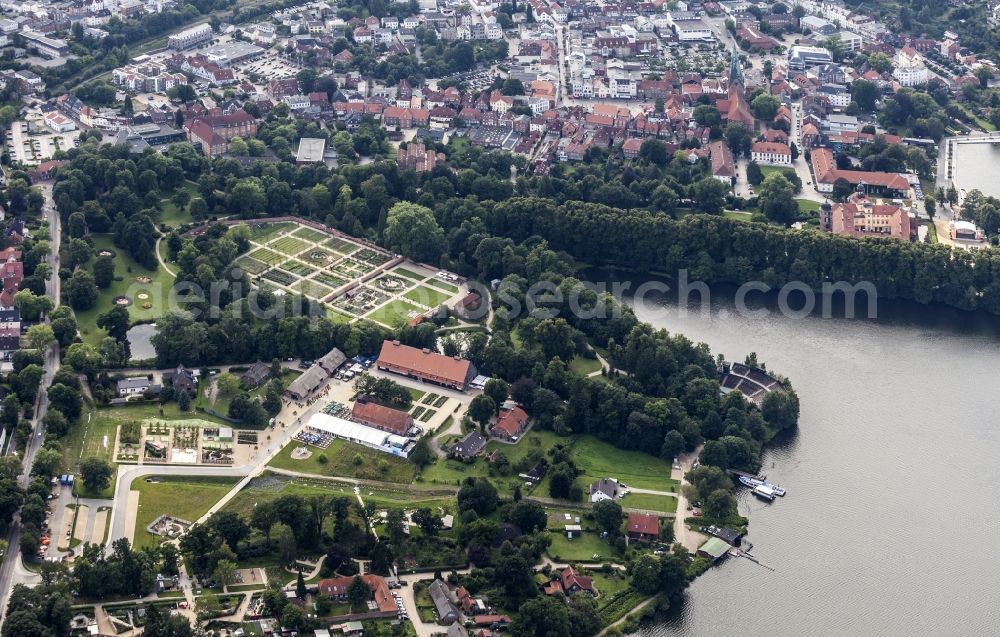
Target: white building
{"points": [[849, 41], [909, 67], [774, 153], [190, 37], [693, 31], [802, 57], [59, 123]]}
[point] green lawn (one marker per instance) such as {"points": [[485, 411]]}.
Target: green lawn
{"points": [[427, 296], [288, 245], [805, 205], [441, 285], [395, 313], [126, 269], [248, 498], [185, 497], [599, 460], [584, 366], [447, 471], [581, 548], [263, 232], [409, 274], [342, 461], [172, 216], [767, 170], [737, 215], [607, 584], [310, 235], [650, 502]]}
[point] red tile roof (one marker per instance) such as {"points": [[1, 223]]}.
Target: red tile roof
{"points": [[382, 417], [424, 363], [337, 587], [511, 421], [643, 524]]}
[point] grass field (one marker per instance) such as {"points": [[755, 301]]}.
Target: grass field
{"points": [[342, 460], [288, 245], [607, 584], [310, 235], [427, 296], [584, 366], [267, 256], [263, 232], [806, 205], [394, 313], [248, 498], [441, 285], [185, 497], [580, 549], [650, 502], [170, 214], [127, 270], [737, 215], [409, 274], [599, 460], [95, 439]]}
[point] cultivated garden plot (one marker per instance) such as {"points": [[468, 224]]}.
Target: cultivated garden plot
{"points": [[312, 289], [250, 265], [342, 246], [296, 258], [267, 256], [310, 235], [301, 259], [289, 245], [297, 267]]}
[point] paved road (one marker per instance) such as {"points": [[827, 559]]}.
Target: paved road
{"points": [[12, 571]]}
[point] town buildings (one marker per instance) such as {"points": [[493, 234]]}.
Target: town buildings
{"points": [[909, 68], [862, 216], [190, 37]]}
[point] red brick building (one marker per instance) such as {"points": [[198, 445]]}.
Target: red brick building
{"points": [[643, 527], [425, 365], [381, 417]]}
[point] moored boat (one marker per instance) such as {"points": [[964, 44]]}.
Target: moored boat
{"points": [[764, 493], [747, 481]]}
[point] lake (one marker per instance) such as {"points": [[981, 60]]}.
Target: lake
{"points": [[890, 522], [140, 341], [976, 166]]}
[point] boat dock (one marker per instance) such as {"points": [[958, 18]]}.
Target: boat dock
{"points": [[744, 474]]}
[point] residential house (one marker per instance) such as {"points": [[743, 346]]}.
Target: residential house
{"points": [[133, 386], [643, 527], [440, 595], [605, 489], [469, 446], [511, 422]]}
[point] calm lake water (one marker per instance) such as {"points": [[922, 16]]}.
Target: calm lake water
{"points": [[139, 341], [978, 166], [890, 525]]}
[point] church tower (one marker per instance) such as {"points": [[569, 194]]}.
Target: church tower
{"points": [[735, 69]]}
